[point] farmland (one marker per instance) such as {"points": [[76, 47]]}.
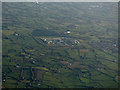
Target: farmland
{"points": [[59, 45]]}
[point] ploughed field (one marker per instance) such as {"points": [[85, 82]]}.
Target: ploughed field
{"points": [[60, 45]]}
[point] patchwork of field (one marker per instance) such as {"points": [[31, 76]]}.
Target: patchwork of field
{"points": [[65, 45]]}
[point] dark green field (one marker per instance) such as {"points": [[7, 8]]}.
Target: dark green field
{"points": [[60, 45]]}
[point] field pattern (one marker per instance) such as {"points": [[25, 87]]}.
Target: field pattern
{"points": [[60, 45]]}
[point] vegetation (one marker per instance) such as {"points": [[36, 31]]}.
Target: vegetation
{"points": [[65, 45]]}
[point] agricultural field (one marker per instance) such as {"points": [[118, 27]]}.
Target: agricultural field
{"points": [[59, 45]]}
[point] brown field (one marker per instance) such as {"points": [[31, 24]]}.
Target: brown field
{"points": [[64, 62], [38, 74], [77, 65]]}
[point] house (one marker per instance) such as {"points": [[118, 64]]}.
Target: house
{"points": [[68, 32], [49, 42], [16, 34]]}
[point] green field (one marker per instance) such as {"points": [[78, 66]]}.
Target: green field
{"points": [[59, 45]]}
